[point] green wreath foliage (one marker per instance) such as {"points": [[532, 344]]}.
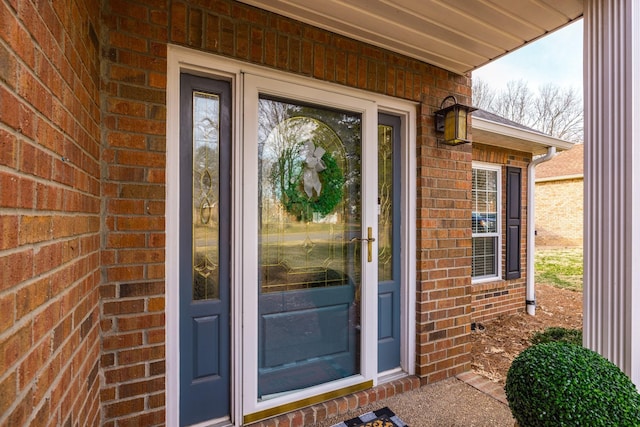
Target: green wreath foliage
{"points": [[297, 203]]}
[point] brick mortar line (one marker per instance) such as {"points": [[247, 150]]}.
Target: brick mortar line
{"points": [[50, 182]]}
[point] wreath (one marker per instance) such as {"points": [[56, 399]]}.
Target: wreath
{"points": [[297, 202]]}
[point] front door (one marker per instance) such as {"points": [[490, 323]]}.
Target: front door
{"points": [[205, 207], [309, 231], [310, 324]]}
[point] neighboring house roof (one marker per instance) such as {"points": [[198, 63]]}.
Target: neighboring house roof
{"points": [[458, 36], [568, 164], [491, 129]]}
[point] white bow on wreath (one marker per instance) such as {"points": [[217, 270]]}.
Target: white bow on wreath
{"points": [[313, 165]]}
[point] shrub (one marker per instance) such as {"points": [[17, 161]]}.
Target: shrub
{"points": [[560, 384], [557, 334]]}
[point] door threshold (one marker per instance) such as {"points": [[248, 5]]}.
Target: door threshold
{"points": [[391, 375], [220, 422]]}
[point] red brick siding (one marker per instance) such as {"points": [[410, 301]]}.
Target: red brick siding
{"points": [[492, 299], [133, 188], [133, 255], [444, 255], [50, 220]]}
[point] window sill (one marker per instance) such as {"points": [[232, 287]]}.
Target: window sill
{"points": [[483, 280]]}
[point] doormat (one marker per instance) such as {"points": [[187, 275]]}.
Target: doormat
{"points": [[381, 418]]}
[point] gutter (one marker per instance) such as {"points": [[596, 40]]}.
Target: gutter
{"points": [[531, 229]]}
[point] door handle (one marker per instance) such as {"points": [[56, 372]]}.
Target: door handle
{"points": [[369, 239]]}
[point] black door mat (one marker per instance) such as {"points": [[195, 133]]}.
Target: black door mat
{"points": [[383, 417]]}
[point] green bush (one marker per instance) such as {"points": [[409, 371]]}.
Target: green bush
{"points": [[557, 334], [559, 384]]}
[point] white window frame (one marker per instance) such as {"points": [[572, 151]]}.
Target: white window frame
{"points": [[498, 235]]}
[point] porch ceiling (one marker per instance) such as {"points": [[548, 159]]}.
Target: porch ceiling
{"points": [[457, 35]]}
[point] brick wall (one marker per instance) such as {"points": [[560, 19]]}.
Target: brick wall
{"points": [[50, 213], [559, 212], [492, 299], [444, 255], [134, 121], [132, 294]]}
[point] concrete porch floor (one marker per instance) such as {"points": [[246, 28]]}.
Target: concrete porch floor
{"points": [[468, 400]]}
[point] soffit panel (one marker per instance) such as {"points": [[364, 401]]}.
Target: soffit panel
{"points": [[458, 35], [539, 14], [409, 23], [510, 143]]}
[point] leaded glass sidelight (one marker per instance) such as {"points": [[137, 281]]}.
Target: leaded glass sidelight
{"points": [[385, 202], [205, 215]]}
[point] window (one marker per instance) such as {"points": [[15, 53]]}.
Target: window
{"points": [[485, 221]]}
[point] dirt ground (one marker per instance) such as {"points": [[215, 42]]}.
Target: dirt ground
{"points": [[496, 345]]}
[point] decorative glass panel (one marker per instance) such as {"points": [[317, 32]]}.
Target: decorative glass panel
{"points": [[206, 138], [309, 211], [385, 202]]}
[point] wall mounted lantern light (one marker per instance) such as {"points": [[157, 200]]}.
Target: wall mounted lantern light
{"points": [[452, 121]]}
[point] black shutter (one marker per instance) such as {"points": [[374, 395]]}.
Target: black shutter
{"points": [[514, 222]]}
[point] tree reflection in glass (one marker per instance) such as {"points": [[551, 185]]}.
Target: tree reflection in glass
{"points": [[309, 193], [309, 209], [206, 166]]}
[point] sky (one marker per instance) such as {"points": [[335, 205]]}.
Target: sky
{"points": [[555, 58]]}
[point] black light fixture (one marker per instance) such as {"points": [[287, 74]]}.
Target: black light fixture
{"points": [[452, 121]]}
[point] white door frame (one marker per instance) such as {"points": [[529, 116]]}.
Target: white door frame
{"points": [[180, 59]]}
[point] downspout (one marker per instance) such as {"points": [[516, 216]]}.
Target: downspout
{"points": [[531, 229]]}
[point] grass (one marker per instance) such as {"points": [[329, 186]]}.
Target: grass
{"points": [[560, 267], [555, 334]]}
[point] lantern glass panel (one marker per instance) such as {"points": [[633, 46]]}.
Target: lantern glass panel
{"points": [[450, 126], [461, 122]]}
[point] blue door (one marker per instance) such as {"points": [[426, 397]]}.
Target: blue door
{"points": [[205, 158], [388, 242]]}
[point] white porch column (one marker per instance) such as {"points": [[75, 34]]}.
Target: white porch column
{"points": [[612, 181]]}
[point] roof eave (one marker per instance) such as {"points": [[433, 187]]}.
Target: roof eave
{"points": [[498, 134]]}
